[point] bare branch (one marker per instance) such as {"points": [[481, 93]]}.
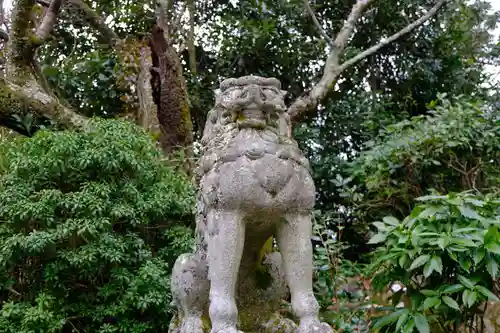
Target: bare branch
{"points": [[394, 37], [348, 27], [330, 73], [317, 24], [333, 68], [48, 22]]}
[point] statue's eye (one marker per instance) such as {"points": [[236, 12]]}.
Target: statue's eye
{"points": [[269, 93]]}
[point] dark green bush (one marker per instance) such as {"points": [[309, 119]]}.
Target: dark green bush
{"points": [[454, 148], [446, 254], [90, 225]]}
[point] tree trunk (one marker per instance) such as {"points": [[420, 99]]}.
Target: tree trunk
{"points": [[171, 98]]}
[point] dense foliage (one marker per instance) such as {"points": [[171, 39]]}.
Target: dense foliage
{"points": [[91, 223], [454, 148], [447, 255], [451, 149]]}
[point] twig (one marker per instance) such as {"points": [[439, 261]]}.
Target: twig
{"points": [[328, 40]]}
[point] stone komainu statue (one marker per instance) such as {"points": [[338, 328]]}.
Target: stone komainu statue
{"points": [[254, 183]]}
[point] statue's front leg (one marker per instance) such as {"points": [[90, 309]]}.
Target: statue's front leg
{"points": [[294, 241], [225, 247]]}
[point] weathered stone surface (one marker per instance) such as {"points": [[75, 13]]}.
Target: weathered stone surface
{"points": [[254, 183]]}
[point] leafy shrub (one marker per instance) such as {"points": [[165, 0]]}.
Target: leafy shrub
{"points": [[446, 253], [453, 148], [86, 233]]}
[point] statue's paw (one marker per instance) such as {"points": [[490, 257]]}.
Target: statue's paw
{"points": [[314, 326]]}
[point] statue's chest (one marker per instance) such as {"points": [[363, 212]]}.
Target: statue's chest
{"points": [[262, 147], [255, 164]]}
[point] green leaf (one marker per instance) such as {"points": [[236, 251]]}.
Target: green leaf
{"points": [[453, 289], [386, 320], [421, 323], [451, 302], [402, 319], [475, 202], [431, 197], [465, 296], [402, 260], [491, 266], [492, 235], [380, 226], [419, 262], [391, 220], [428, 292], [478, 256], [464, 241], [437, 264], [378, 238], [487, 293], [408, 328], [431, 302], [494, 248], [466, 282], [468, 212], [429, 212], [471, 299], [465, 262], [442, 242], [464, 230]]}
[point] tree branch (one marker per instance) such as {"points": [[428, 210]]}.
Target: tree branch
{"points": [[394, 37], [21, 100], [107, 34], [21, 92], [317, 24], [333, 68], [48, 22]]}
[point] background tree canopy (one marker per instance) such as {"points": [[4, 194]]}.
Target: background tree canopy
{"points": [[397, 102]]}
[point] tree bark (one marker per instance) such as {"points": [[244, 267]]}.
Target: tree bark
{"points": [[22, 90], [171, 98]]}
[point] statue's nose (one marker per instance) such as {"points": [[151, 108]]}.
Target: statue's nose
{"points": [[254, 94]]}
